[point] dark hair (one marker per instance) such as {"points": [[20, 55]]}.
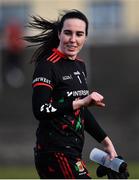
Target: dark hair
{"points": [[73, 14], [48, 38]]}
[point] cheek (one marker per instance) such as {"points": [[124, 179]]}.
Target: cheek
{"points": [[65, 39], [81, 42]]}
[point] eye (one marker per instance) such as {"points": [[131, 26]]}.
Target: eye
{"points": [[67, 32], [79, 34]]}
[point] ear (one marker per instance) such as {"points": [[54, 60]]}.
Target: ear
{"points": [[86, 39]]}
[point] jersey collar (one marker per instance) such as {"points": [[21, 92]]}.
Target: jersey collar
{"points": [[62, 55]]}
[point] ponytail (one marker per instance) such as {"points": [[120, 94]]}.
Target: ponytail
{"points": [[47, 39]]}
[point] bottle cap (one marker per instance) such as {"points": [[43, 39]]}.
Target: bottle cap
{"points": [[123, 167]]}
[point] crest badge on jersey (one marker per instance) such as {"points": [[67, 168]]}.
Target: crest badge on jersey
{"points": [[79, 166]]}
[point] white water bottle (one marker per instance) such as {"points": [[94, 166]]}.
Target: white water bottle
{"points": [[102, 158]]}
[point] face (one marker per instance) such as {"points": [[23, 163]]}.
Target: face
{"points": [[72, 37]]}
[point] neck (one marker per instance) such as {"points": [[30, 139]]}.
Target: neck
{"points": [[69, 57]]}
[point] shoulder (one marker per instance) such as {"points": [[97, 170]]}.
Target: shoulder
{"points": [[47, 66], [79, 59], [55, 56], [46, 62], [43, 68], [80, 62]]}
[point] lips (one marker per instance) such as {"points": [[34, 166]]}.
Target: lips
{"points": [[71, 48]]}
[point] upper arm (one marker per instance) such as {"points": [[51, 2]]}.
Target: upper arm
{"points": [[42, 84]]}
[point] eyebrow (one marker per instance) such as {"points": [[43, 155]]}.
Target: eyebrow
{"points": [[66, 30]]}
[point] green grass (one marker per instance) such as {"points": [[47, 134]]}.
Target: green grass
{"points": [[19, 172], [30, 172]]}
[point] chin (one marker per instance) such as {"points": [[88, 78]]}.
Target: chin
{"points": [[71, 53]]}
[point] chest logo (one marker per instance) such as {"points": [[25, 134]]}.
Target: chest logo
{"points": [[67, 77], [78, 93]]}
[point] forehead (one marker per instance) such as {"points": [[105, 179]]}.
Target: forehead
{"points": [[74, 24]]}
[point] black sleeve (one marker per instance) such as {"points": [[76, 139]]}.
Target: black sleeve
{"points": [[44, 81], [92, 126]]}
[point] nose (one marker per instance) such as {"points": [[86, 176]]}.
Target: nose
{"points": [[73, 38]]}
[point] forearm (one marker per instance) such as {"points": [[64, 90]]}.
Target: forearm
{"points": [[77, 104], [92, 126]]}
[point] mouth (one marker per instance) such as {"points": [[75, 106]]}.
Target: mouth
{"points": [[71, 47]]}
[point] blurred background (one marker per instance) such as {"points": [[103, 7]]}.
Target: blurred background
{"points": [[111, 55]]}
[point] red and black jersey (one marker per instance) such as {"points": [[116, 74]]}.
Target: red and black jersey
{"points": [[57, 81]]}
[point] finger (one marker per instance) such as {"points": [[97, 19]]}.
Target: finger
{"points": [[112, 156], [101, 104]]}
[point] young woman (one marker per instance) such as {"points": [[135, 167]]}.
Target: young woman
{"points": [[61, 97]]}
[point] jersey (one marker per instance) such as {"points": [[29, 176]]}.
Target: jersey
{"points": [[57, 81]]}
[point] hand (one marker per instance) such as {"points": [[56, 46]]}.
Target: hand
{"points": [[94, 99]]}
